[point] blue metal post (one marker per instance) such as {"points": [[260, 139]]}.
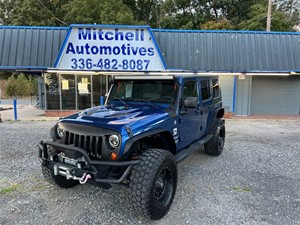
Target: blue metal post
{"points": [[15, 110], [234, 93], [101, 100]]}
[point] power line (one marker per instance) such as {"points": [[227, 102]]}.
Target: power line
{"points": [[63, 22]]}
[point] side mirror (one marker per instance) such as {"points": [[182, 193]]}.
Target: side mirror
{"points": [[191, 102]]}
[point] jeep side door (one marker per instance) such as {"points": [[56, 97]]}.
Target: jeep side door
{"points": [[206, 103], [190, 118]]}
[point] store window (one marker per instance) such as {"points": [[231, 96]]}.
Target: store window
{"points": [[99, 88], [52, 91], [68, 98], [74, 92], [84, 92]]}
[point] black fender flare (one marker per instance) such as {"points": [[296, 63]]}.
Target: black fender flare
{"points": [[132, 140], [218, 113]]}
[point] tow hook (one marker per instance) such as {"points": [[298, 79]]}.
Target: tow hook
{"points": [[84, 178]]}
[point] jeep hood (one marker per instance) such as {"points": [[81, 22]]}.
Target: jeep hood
{"points": [[138, 119]]}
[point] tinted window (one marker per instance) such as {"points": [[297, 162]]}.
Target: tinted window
{"points": [[68, 92], [84, 91], [52, 91], [139, 90], [216, 88], [190, 89], [99, 88], [205, 89]]}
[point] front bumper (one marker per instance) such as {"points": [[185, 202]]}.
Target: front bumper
{"points": [[74, 168]]}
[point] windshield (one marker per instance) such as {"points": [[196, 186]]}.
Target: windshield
{"points": [[146, 91]]}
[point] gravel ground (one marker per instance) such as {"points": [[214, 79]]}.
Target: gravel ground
{"points": [[255, 181]]}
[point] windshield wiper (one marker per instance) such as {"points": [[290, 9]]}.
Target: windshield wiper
{"points": [[142, 100], [150, 103], [123, 102]]}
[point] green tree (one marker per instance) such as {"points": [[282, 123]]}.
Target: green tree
{"points": [[290, 8], [234, 11], [184, 14], [22, 87], [217, 25], [115, 12], [11, 86], [7, 11], [257, 18], [90, 12], [173, 14], [32, 85], [205, 14], [38, 13], [5, 74], [145, 11]]}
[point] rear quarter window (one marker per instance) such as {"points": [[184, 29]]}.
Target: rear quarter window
{"points": [[205, 89], [216, 88]]}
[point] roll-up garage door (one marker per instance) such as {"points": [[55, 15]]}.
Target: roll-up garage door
{"points": [[275, 95]]}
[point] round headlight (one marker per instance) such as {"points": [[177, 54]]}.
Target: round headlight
{"points": [[60, 132], [114, 140]]}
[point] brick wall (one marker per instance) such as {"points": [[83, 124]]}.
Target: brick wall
{"points": [[59, 113]]}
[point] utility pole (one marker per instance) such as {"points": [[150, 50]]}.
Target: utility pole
{"points": [[269, 15]]}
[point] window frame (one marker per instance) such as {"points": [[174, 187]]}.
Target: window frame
{"points": [[209, 83], [217, 88]]}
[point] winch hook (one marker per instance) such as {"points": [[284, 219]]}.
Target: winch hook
{"points": [[84, 178]]}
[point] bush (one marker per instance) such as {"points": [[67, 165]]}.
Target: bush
{"points": [[11, 86], [21, 86]]}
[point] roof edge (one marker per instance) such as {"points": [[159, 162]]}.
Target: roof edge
{"points": [[33, 27], [224, 31]]}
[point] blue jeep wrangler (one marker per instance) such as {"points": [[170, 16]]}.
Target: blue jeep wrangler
{"points": [[148, 125]]}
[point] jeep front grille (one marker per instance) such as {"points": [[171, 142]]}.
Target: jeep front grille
{"points": [[91, 144]]}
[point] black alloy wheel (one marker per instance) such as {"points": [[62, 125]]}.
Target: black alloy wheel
{"points": [[153, 183]]}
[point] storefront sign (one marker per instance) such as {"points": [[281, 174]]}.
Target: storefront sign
{"points": [[110, 48]]}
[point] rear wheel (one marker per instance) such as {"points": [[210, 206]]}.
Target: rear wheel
{"points": [[216, 144], [153, 183]]}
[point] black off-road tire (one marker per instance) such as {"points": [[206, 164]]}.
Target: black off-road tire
{"points": [[153, 183], [215, 145], [56, 180]]}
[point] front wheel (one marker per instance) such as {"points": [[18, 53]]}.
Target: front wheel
{"points": [[153, 183]]}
